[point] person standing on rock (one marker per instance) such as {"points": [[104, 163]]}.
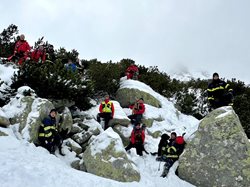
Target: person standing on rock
{"points": [[137, 139], [219, 93], [106, 110], [138, 110], [48, 134]]}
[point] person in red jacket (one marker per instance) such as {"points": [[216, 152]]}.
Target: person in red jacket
{"points": [[137, 111], [39, 55], [137, 139], [132, 71], [106, 110], [21, 51]]}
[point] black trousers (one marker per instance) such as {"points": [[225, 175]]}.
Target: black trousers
{"points": [[52, 143], [135, 118], [138, 146], [106, 116]]}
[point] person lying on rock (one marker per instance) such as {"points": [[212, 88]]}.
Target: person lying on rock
{"points": [[48, 135], [137, 139]]}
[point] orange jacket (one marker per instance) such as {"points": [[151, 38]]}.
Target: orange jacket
{"points": [[22, 46]]}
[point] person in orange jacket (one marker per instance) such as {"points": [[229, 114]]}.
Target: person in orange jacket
{"points": [[137, 111], [39, 55], [137, 139], [21, 51], [106, 110], [132, 71]]}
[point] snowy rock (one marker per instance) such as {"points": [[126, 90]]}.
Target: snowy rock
{"points": [[219, 153], [75, 164], [3, 133], [4, 121], [74, 146], [28, 112], [67, 121], [75, 129], [62, 103], [127, 96], [106, 157]]}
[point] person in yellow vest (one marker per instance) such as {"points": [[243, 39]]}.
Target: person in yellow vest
{"points": [[106, 110]]}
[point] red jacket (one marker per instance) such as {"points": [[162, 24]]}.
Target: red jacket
{"points": [[138, 108], [37, 54], [137, 136], [132, 69], [22, 46], [104, 103]]}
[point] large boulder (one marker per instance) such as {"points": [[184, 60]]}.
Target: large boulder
{"points": [[127, 96], [4, 121], [28, 112], [67, 121], [107, 157], [219, 153]]}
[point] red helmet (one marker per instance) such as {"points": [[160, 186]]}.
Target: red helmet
{"points": [[179, 140]]}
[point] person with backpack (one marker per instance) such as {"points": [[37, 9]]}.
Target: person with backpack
{"points": [[170, 154], [219, 93], [137, 139], [21, 51], [38, 55], [132, 71], [106, 110], [48, 135], [137, 111]]}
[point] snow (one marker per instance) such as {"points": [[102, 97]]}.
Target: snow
{"points": [[24, 164]]}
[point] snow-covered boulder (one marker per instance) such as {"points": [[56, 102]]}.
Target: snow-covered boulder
{"points": [[4, 121], [67, 121], [219, 153], [74, 146], [127, 96], [28, 112], [106, 157]]}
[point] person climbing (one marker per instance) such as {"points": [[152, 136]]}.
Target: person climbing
{"points": [[48, 135], [132, 71], [172, 138], [219, 93], [38, 55], [137, 111], [171, 154], [21, 51], [163, 143], [106, 110], [137, 139]]}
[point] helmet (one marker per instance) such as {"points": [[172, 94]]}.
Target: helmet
{"points": [[179, 140]]}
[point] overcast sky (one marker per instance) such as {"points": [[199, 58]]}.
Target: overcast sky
{"points": [[193, 35]]}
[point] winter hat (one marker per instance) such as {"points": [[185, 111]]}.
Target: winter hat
{"points": [[53, 110], [215, 74], [165, 136], [141, 99]]}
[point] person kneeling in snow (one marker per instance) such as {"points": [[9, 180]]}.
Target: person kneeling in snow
{"points": [[137, 139], [48, 135], [171, 154]]}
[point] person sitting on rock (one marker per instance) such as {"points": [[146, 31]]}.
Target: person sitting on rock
{"points": [[163, 143], [39, 55], [137, 111], [137, 139], [172, 138], [106, 110], [48, 134], [170, 154], [132, 71]]}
